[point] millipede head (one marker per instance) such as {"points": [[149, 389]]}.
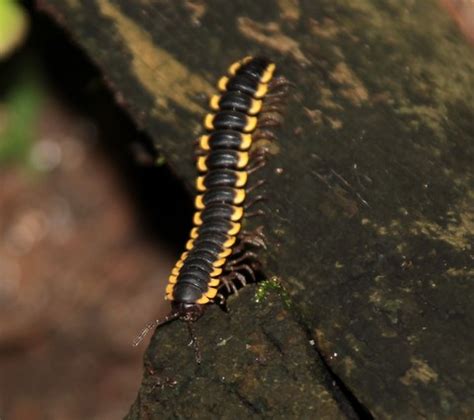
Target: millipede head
{"points": [[188, 312]]}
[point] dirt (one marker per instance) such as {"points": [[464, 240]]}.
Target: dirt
{"points": [[79, 277]]}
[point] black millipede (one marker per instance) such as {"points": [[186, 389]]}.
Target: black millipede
{"points": [[217, 253]]}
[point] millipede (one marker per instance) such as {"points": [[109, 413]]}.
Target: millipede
{"points": [[219, 253]]}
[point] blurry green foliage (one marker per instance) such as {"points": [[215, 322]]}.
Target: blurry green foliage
{"points": [[20, 85], [19, 110], [14, 25]]}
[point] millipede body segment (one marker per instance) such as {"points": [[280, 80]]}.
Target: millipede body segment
{"points": [[222, 164]]}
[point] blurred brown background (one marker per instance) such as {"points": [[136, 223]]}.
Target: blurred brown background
{"points": [[90, 226]]}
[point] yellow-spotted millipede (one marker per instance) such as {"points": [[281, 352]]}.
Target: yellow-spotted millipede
{"points": [[217, 253]]}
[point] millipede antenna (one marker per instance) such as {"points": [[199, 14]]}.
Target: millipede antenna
{"points": [[194, 342], [156, 323]]}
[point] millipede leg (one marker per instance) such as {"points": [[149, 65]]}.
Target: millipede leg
{"points": [[265, 134], [245, 256], [254, 200], [259, 183], [278, 93], [229, 284], [258, 157], [234, 275], [258, 153], [255, 238], [279, 84], [198, 153], [241, 277], [275, 106], [222, 300], [258, 212], [270, 119], [274, 101], [257, 163]]}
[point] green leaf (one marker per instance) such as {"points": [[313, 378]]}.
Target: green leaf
{"points": [[14, 25]]}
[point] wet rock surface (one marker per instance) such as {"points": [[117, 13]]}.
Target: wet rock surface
{"points": [[370, 199]]}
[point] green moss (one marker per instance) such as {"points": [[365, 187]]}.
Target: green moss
{"points": [[272, 285], [160, 160], [424, 88]]}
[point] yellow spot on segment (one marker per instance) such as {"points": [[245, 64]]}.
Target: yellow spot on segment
{"points": [[243, 160], [216, 272], [268, 74], [234, 230], [162, 76], [222, 83], [214, 102], [208, 119], [180, 263], [199, 202], [211, 292], [241, 179], [261, 90], [219, 263], [175, 271], [230, 242], [184, 255], [201, 164], [204, 142], [225, 253], [194, 233], [246, 142], [169, 288], [255, 106], [213, 282], [202, 300], [200, 183], [238, 64], [237, 214], [172, 279], [197, 219], [234, 67], [239, 196], [190, 244], [251, 124]]}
